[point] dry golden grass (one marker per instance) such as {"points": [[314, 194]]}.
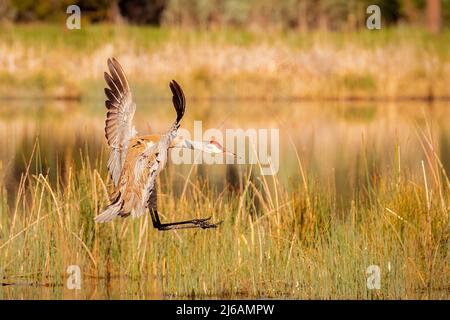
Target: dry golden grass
{"points": [[397, 63], [276, 241]]}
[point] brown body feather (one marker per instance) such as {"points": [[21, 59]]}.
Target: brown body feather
{"points": [[131, 183], [134, 162]]}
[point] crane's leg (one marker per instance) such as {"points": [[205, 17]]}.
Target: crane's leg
{"points": [[186, 224]]}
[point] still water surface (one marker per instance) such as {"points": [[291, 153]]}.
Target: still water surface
{"points": [[330, 138]]}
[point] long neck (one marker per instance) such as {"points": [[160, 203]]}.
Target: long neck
{"points": [[180, 142]]}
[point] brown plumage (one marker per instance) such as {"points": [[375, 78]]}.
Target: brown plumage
{"points": [[135, 161]]}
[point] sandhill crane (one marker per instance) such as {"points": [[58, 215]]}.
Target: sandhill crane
{"points": [[135, 161]]}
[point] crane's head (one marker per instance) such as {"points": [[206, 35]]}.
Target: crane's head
{"points": [[214, 146], [211, 146]]}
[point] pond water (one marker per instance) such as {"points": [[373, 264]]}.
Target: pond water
{"points": [[115, 288], [336, 141]]}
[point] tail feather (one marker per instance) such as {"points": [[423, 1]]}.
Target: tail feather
{"points": [[110, 213]]}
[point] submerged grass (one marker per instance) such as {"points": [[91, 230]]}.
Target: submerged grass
{"points": [[275, 241]]}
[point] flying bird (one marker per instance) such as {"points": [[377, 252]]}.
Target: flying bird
{"points": [[135, 161]]}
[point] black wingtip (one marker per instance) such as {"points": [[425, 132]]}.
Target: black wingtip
{"points": [[178, 99]]}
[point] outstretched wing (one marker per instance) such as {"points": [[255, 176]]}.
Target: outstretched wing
{"points": [[118, 126], [179, 102]]}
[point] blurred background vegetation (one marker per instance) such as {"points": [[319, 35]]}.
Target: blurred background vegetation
{"points": [[228, 48], [288, 14]]}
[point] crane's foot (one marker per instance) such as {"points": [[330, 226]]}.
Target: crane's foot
{"points": [[202, 223], [187, 224]]}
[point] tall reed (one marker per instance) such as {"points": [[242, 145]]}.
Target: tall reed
{"points": [[276, 240]]}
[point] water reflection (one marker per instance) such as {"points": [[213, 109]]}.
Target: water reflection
{"points": [[338, 143], [118, 288], [123, 288]]}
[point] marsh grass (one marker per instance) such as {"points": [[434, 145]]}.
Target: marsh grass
{"points": [[276, 240]]}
